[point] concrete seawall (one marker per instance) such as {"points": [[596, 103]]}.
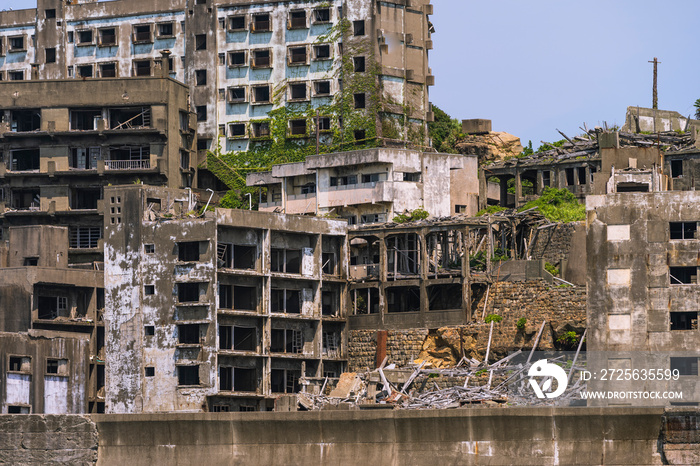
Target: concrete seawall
{"points": [[493, 436]]}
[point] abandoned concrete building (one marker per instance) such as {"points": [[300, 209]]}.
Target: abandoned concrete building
{"points": [[372, 185], [243, 59], [643, 288], [63, 140], [54, 359], [584, 166], [221, 312]]}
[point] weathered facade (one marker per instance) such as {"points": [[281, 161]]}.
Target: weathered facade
{"points": [[643, 288], [244, 59], [221, 312], [372, 185], [63, 140], [42, 295]]}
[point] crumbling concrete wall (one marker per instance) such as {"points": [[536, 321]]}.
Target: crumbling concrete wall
{"points": [[48, 439], [564, 309]]}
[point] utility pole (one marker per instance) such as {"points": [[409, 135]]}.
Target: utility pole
{"points": [[655, 103]]}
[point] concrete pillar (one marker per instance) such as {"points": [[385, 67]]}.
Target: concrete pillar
{"points": [[539, 185], [504, 192], [518, 188]]}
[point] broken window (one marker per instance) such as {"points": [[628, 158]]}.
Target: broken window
{"points": [[297, 19], [676, 168], [142, 67], [166, 29], [50, 13], [297, 127], [297, 91], [188, 334], [546, 178], [237, 59], [373, 177], [683, 230], [322, 52], [85, 37], [107, 36], [188, 292], [285, 301], [30, 262], [358, 27], [286, 341], [329, 303], [225, 296], [51, 307], [25, 120], [403, 299], [128, 157], [284, 380], [359, 101], [18, 409], [245, 298], [261, 129], [236, 94], [322, 15], [16, 44], [444, 297], [22, 199], [329, 263], [262, 59], [142, 33], [683, 275], [188, 375], [236, 130], [200, 77], [285, 260], [188, 251], [130, 117], [359, 64], [322, 88], [403, 254], [366, 301], [331, 344], [308, 188], [149, 290], [581, 175], [685, 365], [244, 338], [108, 70], [150, 371], [15, 75], [297, 55], [149, 330], [684, 320], [225, 378], [25, 159], [57, 367], [85, 198], [20, 364], [81, 237], [569, 176], [261, 94], [201, 113], [236, 23], [343, 180], [261, 23], [244, 257], [323, 124], [84, 71], [200, 42], [50, 55], [84, 120]]}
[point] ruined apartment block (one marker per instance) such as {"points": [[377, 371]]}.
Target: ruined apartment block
{"points": [[53, 360], [371, 185], [431, 274], [240, 59], [62, 141], [643, 288], [221, 312]]}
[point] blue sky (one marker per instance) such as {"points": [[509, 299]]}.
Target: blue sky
{"points": [[534, 66]]}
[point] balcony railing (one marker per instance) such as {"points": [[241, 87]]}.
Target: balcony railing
{"points": [[127, 164]]}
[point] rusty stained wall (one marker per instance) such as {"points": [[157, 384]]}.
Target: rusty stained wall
{"points": [[632, 298], [48, 244], [33, 387]]}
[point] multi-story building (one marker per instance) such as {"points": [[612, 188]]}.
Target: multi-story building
{"points": [[62, 141], [54, 360], [221, 312], [362, 65], [643, 291], [372, 185]]}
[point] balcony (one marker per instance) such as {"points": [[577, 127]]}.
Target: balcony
{"points": [[361, 193], [301, 203], [127, 164]]}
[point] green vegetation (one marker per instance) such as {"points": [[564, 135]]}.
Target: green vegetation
{"points": [[569, 339], [493, 318], [418, 214], [444, 131], [521, 323], [551, 268], [697, 109], [492, 209], [558, 205], [478, 261]]}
